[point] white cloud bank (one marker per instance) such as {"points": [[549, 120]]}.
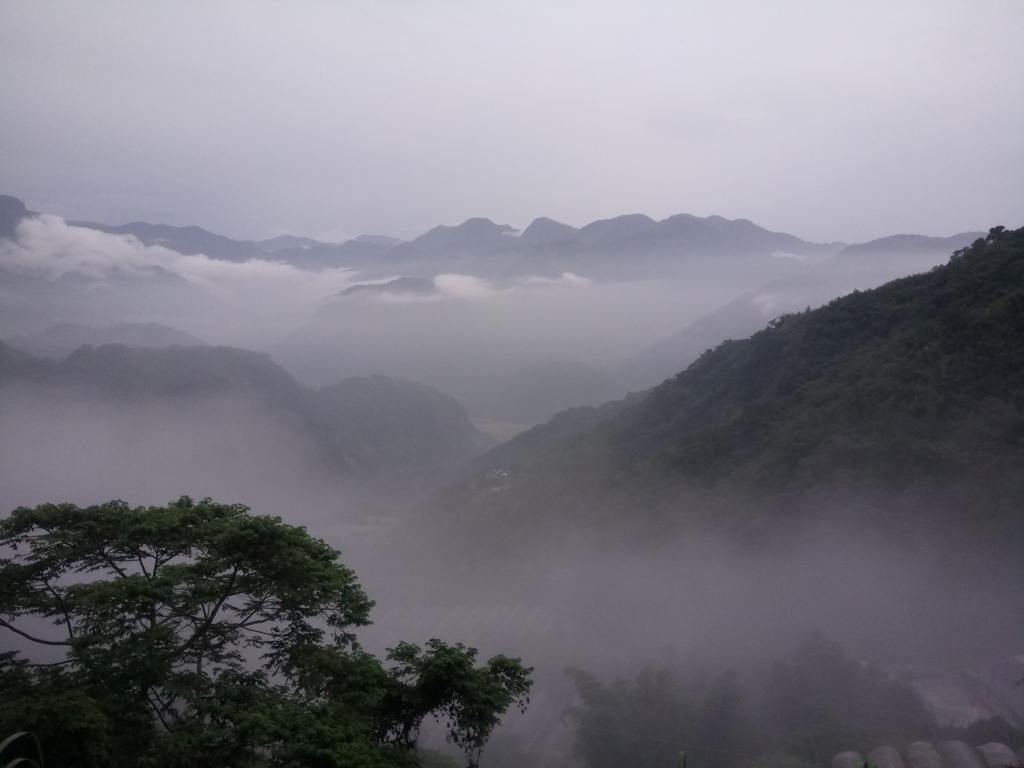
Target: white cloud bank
{"points": [[229, 302], [242, 303], [49, 247]]}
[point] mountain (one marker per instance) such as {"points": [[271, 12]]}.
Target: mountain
{"points": [[627, 247], [545, 230], [886, 246], [286, 242], [12, 211], [361, 426], [856, 267], [395, 422], [901, 403], [187, 241], [59, 341], [472, 235], [378, 240]]}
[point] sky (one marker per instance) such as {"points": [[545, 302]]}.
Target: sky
{"points": [[839, 121]]}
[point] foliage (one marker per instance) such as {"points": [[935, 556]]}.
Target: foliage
{"points": [[443, 680], [28, 761], [883, 380], [647, 721], [820, 702], [197, 634], [808, 708]]}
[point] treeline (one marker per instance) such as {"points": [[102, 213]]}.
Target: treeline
{"points": [[797, 713]]}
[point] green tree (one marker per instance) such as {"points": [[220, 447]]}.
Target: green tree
{"points": [[197, 634]]}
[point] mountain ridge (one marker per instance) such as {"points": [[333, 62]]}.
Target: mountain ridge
{"points": [[482, 246]]}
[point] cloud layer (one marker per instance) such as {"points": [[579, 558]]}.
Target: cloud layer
{"points": [[839, 121]]}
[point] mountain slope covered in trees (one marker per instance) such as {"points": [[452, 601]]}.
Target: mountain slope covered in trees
{"points": [[905, 399]]}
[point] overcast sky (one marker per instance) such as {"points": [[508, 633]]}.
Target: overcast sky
{"points": [[831, 121]]}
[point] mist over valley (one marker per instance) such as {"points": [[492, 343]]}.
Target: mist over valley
{"points": [[511, 385], [790, 486]]}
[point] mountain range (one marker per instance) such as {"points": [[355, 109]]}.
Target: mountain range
{"points": [[486, 249], [645, 282]]}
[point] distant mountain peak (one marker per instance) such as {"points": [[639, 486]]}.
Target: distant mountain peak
{"points": [[285, 242], [188, 241], [545, 230], [12, 211]]}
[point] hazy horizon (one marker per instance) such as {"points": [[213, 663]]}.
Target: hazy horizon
{"points": [[840, 123], [637, 520]]}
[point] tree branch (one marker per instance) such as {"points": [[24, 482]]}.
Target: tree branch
{"points": [[17, 631], [63, 608], [209, 619], [158, 711], [117, 569]]}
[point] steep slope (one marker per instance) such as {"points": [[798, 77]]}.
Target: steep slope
{"points": [[904, 401], [856, 267], [904, 372]]}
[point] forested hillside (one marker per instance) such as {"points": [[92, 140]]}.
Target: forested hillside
{"points": [[908, 398], [361, 425]]}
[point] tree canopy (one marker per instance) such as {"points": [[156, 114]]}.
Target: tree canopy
{"points": [[198, 634]]}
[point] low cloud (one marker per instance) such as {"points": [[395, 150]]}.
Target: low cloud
{"points": [[463, 287], [567, 278], [469, 287], [48, 247], [243, 300], [769, 304]]}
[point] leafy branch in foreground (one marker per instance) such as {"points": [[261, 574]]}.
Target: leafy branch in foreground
{"points": [[197, 634], [6, 743]]}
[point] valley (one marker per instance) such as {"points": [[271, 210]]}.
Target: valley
{"points": [[511, 452]]}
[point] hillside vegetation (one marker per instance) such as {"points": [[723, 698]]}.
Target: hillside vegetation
{"points": [[906, 398]]}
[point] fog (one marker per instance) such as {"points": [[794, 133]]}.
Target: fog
{"points": [[577, 599], [786, 154], [864, 142], [513, 350]]}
